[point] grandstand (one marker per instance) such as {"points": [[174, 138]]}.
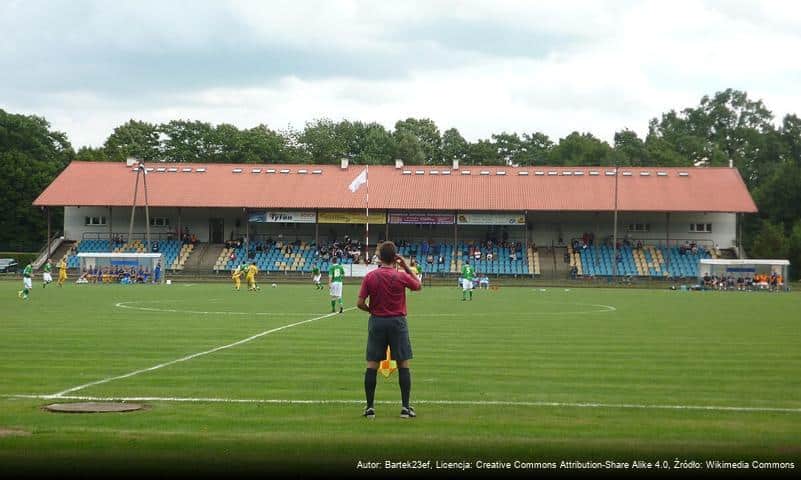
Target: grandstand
{"points": [[525, 217], [174, 254]]}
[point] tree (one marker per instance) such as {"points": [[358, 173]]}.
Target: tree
{"points": [[510, 148], [454, 146], [769, 241], [378, 147], [322, 142], [409, 149], [188, 141], [794, 249], [581, 149], [537, 148], [427, 135], [483, 152], [31, 156], [631, 149], [90, 154], [133, 139]]}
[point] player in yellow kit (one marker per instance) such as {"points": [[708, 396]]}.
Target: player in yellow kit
{"points": [[252, 270], [62, 272], [236, 276]]}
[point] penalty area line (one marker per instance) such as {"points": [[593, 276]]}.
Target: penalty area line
{"points": [[194, 355], [593, 405]]}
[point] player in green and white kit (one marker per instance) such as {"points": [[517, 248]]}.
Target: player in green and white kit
{"points": [[316, 277], [46, 276], [336, 274], [468, 273], [27, 283]]}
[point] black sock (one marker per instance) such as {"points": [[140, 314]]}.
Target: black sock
{"points": [[369, 385], [405, 382]]}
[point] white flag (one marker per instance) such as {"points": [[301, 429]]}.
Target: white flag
{"points": [[358, 181]]}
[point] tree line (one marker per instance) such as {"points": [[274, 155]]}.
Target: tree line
{"points": [[725, 127]]}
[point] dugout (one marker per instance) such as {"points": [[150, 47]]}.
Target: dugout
{"points": [[105, 260], [743, 268]]}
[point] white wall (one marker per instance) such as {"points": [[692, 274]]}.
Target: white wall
{"points": [[196, 219], [545, 227]]}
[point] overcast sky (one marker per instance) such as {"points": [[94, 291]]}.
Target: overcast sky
{"points": [[482, 67]]}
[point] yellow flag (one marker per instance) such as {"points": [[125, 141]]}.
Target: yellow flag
{"points": [[387, 366]]}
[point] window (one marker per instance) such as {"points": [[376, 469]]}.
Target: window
{"points": [[94, 220], [639, 227], [159, 222], [701, 227]]}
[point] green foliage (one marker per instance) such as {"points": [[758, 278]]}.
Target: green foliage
{"points": [[428, 138], [134, 139], [31, 155], [581, 149], [769, 241], [725, 127]]}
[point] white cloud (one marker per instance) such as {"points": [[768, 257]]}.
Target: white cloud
{"points": [[592, 66]]}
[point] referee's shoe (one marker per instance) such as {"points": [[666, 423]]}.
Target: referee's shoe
{"points": [[407, 412]]}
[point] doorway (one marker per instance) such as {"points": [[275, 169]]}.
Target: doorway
{"points": [[216, 229]]}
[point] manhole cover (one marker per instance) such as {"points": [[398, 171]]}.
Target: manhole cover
{"points": [[93, 407]]}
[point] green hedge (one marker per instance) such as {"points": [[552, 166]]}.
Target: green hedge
{"points": [[22, 258]]}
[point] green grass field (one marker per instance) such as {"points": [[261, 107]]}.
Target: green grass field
{"points": [[517, 374]]}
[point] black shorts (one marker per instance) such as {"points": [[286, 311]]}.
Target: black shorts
{"points": [[392, 332]]}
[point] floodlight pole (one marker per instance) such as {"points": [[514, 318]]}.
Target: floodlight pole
{"points": [[614, 230], [133, 206], [147, 210], [140, 169]]}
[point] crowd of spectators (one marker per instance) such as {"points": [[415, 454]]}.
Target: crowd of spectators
{"points": [[341, 249], [486, 250], [761, 281], [120, 274], [688, 247], [187, 237]]}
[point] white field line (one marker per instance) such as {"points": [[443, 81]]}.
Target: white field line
{"points": [[717, 408], [128, 306], [194, 355], [602, 309]]}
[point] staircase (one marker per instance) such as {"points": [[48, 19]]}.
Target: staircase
{"points": [[203, 257], [560, 268]]}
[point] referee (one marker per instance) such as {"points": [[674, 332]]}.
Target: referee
{"points": [[386, 289]]}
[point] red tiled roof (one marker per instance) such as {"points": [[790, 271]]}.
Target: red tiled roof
{"points": [[409, 188]]}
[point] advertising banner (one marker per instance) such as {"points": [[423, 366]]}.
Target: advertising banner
{"points": [[282, 216], [421, 218], [378, 218], [490, 219]]}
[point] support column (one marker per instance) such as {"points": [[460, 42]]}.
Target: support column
{"points": [[317, 227], [739, 220], [180, 227], [525, 231], [667, 240], [47, 255], [110, 227]]}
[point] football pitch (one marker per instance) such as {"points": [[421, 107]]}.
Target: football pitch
{"points": [[243, 382]]}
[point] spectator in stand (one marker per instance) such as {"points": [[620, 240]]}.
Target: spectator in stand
{"points": [[489, 256], [639, 244], [477, 254], [512, 255], [441, 259], [155, 247]]}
